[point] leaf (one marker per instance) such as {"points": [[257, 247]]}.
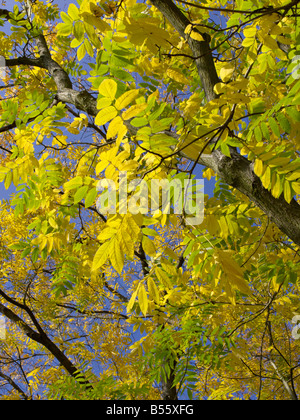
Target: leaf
{"points": [[143, 299], [284, 122], [126, 99], [296, 187], [197, 36], [274, 127], [287, 192], [278, 187], [66, 18], [106, 115], [266, 178], [73, 12], [153, 290], [91, 197], [108, 88], [226, 72], [80, 194], [81, 52], [117, 257], [133, 111], [149, 232], [233, 271], [177, 76], [163, 277], [89, 48], [116, 128], [101, 256], [258, 134], [149, 246], [73, 183], [64, 29], [132, 300], [259, 167]]}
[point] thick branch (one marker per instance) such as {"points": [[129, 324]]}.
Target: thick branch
{"points": [[43, 339], [238, 172], [14, 385], [205, 63]]}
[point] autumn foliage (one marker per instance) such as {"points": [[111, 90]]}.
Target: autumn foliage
{"points": [[140, 305]]}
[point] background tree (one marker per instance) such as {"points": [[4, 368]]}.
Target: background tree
{"points": [[139, 305]]}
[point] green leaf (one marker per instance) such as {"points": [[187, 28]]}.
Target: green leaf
{"points": [[293, 113], [139, 122], [79, 31], [284, 122], [258, 134], [73, 183], [149, 232], [81, 193], [89, 48], [18, 247], [81, 52], [274, 127], [91, 197]]}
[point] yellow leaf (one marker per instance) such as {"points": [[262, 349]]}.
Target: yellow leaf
{"points": [[115, 128], [259, 167], [248, 42], [153, 290], [81, 52], [250, 32], [124, 100], [163, 278], [143, 300], [233, 272], [101, 256], [277, 189], [197, 36], [108, 88], [103, 103], [132, 300], [170, 253], [149, 246], [133, 111], [296, 187], [188, 29], [106, 115], [117, 257], [287, 192], [177, 76], [226, 72], [266, 178]]}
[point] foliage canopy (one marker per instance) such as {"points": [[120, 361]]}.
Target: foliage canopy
{"points": [[139, 306]]}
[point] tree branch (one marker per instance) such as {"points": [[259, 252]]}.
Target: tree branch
{"points": [[42, 338], [201, 49], [14, 385]]}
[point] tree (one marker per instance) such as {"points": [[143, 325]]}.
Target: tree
{"points": [[142, 304]]}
